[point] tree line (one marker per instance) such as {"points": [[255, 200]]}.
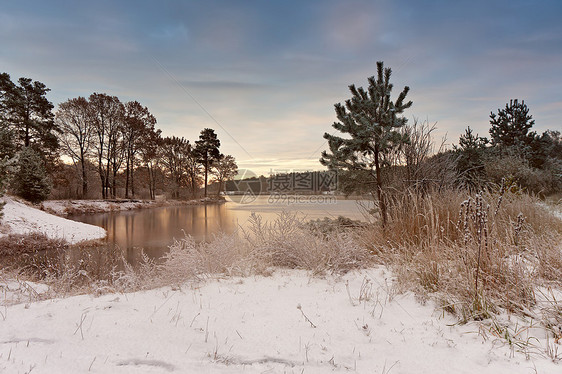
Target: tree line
{"points": [[99, 147]]}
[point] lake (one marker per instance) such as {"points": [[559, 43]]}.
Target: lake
{"points": [[153, 230]]}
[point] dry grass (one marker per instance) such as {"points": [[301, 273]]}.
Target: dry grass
{"points": [[286, 242], [18, 244], [92, 267], [478, 254]]}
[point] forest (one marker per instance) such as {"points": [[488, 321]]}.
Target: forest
{"points": [[99, 147]]}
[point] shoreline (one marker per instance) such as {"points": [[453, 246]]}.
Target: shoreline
{"points": [[66, 208]]}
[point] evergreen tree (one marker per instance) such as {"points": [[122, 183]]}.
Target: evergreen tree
{"points": [[470, 163], [510, 126], [371, 120], [7, 151], [26, 111], [207, 150], [7, 88], [7, 146], [3, 179], [30, 179]]}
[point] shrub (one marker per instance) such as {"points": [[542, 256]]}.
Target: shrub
{"points": [[513, 166], [286, 242], [30, 180], [17, 244], [477, 254]]}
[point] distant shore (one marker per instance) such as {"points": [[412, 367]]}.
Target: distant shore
{"points": [[64, 208]]}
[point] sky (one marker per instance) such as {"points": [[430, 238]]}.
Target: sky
{"points": [[266, 74]]}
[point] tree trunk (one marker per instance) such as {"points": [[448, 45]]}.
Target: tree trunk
{"points": [[132, 178], [206, 171], [380, 194], [102, 178], [151, 182], [127, 178], [114, 184], [27, 136], [84, 180]]}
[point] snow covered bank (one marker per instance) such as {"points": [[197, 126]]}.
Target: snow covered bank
{"points": [[69, 207], [286, 323], [23, 219]]}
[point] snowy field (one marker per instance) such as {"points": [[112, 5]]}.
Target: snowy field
{"points": [[286, 323], [23, 219]]}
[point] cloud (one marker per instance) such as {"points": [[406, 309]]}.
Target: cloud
{"points": [[270, 72], [224, 85]]}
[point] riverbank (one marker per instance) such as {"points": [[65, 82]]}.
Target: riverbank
{"points": [[64, 208], [21, 218]]}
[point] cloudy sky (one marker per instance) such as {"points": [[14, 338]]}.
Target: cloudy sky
{"points": [[266, 74]]}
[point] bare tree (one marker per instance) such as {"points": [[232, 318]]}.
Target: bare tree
{"points": [[138, 126], [150, 156], [74, 119], [224, 169], [107, 118], [174, 153]]}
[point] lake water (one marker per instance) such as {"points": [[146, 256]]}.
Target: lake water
{"points": [[153, 230]]}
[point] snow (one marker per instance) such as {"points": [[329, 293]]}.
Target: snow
{"points": [[65, 207], [68, 207], [289, 322], [24, 219]]}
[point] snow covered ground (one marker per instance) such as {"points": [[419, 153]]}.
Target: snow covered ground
{"points": [[286, 323], [24, 219], [289, 322], [68, 207], [65, 207]]}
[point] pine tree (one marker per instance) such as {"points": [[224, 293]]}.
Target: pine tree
{"points": [[26, 111], [3, 179], [207, 149], [371, 121], [510, 126], [30, 179], [469, 163]]}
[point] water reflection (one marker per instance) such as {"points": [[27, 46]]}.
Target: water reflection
{"points": [[153, 230]]}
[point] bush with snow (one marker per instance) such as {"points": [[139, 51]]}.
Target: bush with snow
{"points": [[30, 180]]}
